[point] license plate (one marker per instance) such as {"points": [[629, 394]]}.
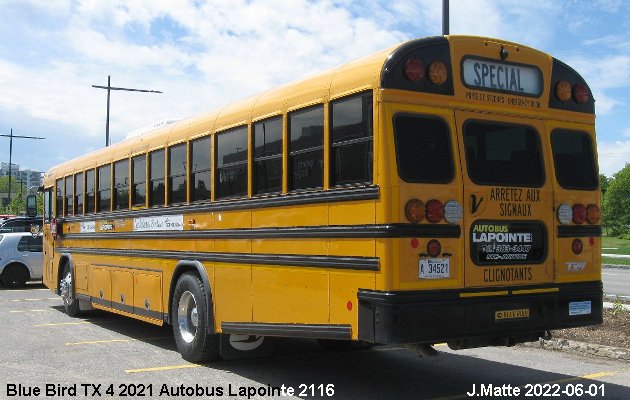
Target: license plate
{"points": [[434, 268], [579, 308]]}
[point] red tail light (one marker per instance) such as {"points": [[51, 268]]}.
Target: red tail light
{"points": [[580, 93], [414, 69], [577, 246], [435, 211], [434, 248], [579, 213]]}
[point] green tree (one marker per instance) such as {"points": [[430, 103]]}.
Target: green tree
{"points": [[603, 182], [616, 204]]}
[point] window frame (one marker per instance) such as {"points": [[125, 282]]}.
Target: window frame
{"points": [[194, 170], [267, 157], [59, 197], [151, 179], [593, 161], [368, 138], [232, 165], [171, 176], [90, 198], [100, 189], [119, 188], [313, 149], [79, 197], [135, 183]]}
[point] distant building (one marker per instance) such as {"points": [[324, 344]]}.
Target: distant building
{"points": [[26, 177]]}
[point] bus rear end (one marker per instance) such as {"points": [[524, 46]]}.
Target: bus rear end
{"points": [[491, 149]]}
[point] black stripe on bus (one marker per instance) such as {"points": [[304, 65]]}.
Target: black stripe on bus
{"points": [[312, 331], [282, 200], [566, 231], [296, 260], [121, 307], [337, 231]]}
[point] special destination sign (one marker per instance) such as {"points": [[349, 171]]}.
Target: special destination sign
{"points": [[504, 77]]}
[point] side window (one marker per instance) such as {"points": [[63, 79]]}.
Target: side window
{"points": [[156, 186], [177, 164], [30, 243], [306, 148], [69, 195], [351, 141], [121, 185], [268, 156], [59, 198], [200, 169], [573, 159], [423, 149], [139, 179], [90, 197], [48, 204], [104, 195], [232, 163], [78, 193]]}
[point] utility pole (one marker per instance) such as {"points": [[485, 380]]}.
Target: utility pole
{"points": [[445, 17], [109, 89], [11, 136]]}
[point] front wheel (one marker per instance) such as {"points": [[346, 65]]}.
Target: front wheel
{"points": [[66, 288], [195, 341]]}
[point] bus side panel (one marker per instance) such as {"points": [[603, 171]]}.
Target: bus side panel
{"points": [[231, 293], [101, 286], [147, 294], [343, 297], [290, 295]]}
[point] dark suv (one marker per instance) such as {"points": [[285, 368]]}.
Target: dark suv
{"points": [[19, 224]]}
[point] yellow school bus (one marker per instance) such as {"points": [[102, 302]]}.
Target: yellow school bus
{"points": [[442, 190]]}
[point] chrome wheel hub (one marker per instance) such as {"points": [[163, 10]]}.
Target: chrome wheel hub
{"points": [[66, 288], [187, 317]]}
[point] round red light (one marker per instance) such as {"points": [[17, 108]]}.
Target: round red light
{"points": [[414, 211], [434, 248], [414, 243], [435, 211], [580, 93], [579, 213], [577, 246], [414, 69], [349, 306]]}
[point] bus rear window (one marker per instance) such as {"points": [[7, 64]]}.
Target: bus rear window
{"points": [[423, 149], [503, 154], [573, 159]]}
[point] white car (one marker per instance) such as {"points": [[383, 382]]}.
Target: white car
{"points": [[20, 258]]}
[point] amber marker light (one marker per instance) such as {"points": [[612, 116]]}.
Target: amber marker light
{"points": [[414, 211], [593, 214], [563, 90], [437, 72]]}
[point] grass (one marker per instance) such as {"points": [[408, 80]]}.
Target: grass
{"points": [[613, 245]]}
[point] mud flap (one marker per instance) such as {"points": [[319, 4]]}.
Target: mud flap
{"points": [[236, 347]]}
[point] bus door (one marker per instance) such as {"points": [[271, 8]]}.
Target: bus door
{"points": [[507, 200], [48, 248]]}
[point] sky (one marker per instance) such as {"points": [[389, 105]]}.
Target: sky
{"points": [[203, 54]]}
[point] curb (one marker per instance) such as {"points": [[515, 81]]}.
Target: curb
{"points": [[560, 344]]}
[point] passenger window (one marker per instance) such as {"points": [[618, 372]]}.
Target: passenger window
{"points": [[90, 196], [200, 175], [104, 194], [121, 185], [423, 149], [156, 186], [352, 153], [232, 163], [503, 154], [177, 165], [306, 150], [139, 170], [29, 243], [573, 159], [78, 193], [69, 195], [59, 198], [268, 156]]}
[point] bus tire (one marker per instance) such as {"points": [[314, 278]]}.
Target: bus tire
{"points": [[66, 289], [15, 275], [195, 341]]}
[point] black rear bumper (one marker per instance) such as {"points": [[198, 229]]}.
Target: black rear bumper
{"points": [[469, 318]]}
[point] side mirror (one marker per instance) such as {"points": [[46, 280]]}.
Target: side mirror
{"points": [[31, 205]]}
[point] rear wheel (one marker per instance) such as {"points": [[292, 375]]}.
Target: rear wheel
{"points": [[66, 288], [194, 338], [14, 276]]}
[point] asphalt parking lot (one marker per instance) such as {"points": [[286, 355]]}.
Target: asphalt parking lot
{"points": [[46, 354]]}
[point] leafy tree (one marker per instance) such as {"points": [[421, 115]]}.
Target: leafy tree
{"points": [[616, 204], [603, 182]]}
